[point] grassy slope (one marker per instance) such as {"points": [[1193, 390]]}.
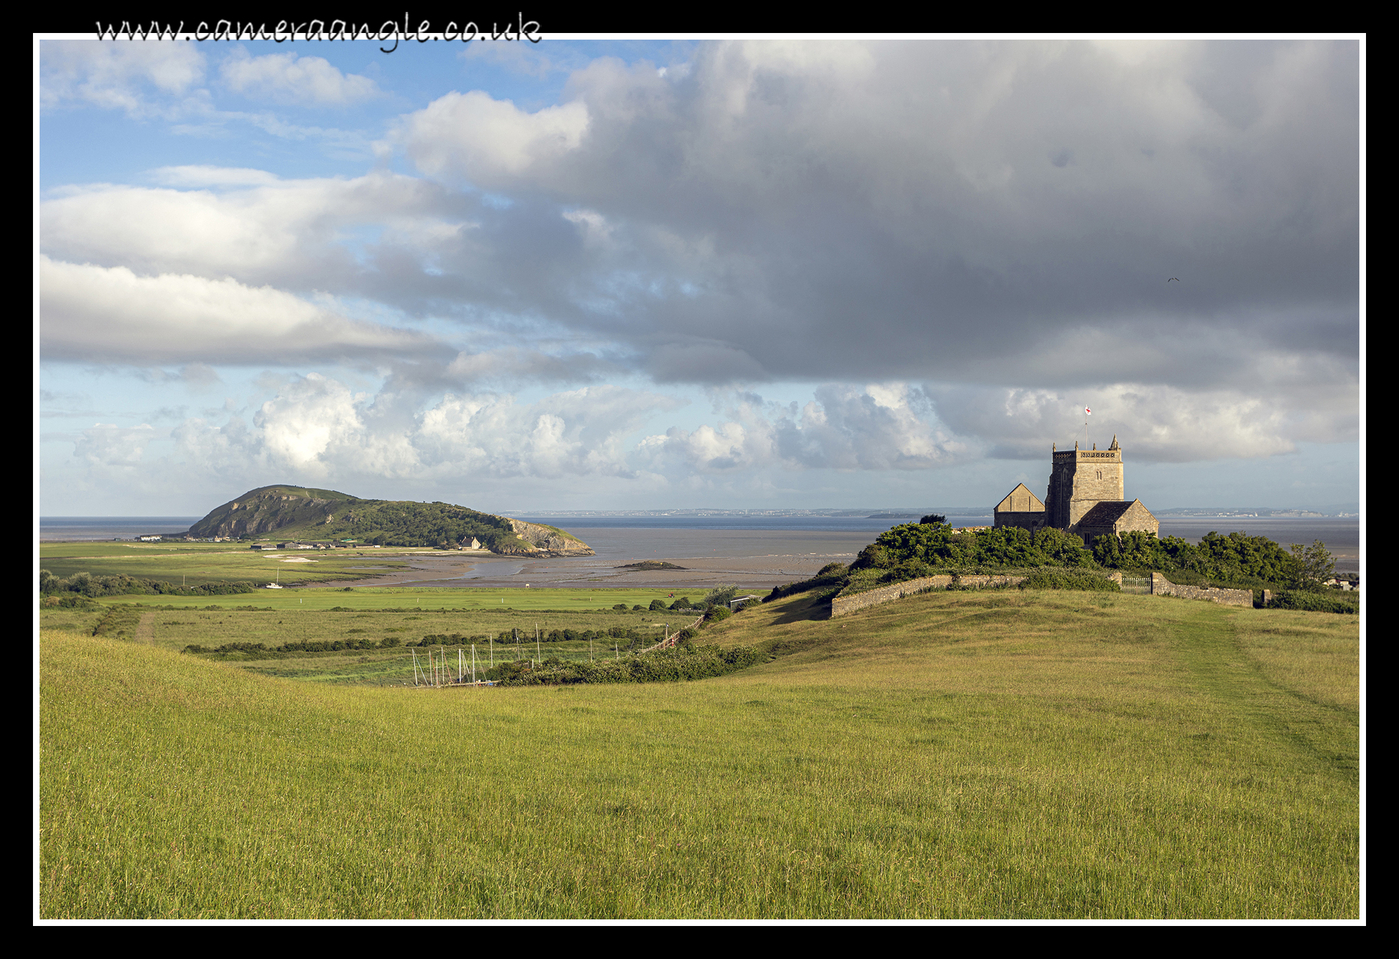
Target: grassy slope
{"points": [[953, 755]]}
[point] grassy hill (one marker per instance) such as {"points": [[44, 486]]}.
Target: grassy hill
{"points": [[295, 512], [953, 755]]}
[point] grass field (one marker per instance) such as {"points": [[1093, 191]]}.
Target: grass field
{"points": [[196, 564], [470, 619], [953, 755], [370, 598]]}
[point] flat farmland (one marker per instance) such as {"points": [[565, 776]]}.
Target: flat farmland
{"points": [[196, 564]]}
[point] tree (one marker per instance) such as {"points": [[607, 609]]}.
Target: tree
{"points": [[1315, 565], [719, 595]]}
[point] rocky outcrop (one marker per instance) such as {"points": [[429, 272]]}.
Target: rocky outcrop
{"points": [[546, 541]]}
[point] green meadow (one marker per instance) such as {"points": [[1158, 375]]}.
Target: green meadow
{"points": [[456, 619], [954, 755], [409, 599], [196, 564]]}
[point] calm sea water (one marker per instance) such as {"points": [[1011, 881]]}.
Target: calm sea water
{"points": [[63, 528], [644, 536]]}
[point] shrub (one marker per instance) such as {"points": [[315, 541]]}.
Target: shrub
{"points": [[719, 595], [1319, 602]]}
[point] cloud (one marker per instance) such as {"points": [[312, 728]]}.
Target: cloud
{"points": [[318, 428], [488, 141], [213, 176], [112, 315], [107, 447], [1155, 423], [993, 220], [879, 427], [521, 365], [298, 234], [868, 209], [288, 78], [575, 433], [117, 75]]}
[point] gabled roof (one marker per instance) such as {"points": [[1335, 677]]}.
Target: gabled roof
{"points": [[1020, 500], [1107, 514]]}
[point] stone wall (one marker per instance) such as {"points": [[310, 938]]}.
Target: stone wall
{"points": [[1161, 586], [844, 605]]}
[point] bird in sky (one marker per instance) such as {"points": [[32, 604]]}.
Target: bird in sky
{"points": [[1176, 278]]}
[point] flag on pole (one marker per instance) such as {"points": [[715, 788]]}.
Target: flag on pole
{"points": [[1087, 411]]}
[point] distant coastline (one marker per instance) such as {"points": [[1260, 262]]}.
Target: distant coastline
{"points": [[1341, 534]]}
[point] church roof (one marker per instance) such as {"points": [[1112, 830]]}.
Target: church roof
{"points": [[1020, 500], [1106, 514]]}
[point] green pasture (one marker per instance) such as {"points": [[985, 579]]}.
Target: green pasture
{"points": [[409, 667], [458, 628], [953, 755], [195, 564], [423, 599]]}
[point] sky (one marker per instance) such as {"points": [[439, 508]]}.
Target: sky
{"points": [[728, 273]]}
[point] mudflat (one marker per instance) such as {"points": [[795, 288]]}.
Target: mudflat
{"points": [[749, 558]]}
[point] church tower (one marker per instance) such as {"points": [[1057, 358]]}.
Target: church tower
{"points": [[1080, 480]]}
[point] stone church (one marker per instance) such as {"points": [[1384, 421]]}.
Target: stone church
{"points": [[1085, 498]]}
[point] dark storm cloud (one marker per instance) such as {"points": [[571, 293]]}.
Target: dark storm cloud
{"points": [[944, 209]]}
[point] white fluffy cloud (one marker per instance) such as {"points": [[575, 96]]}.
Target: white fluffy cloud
{"points": [[301, 234], [579, 432], [880, 427], [490, 141], [112, 315], [317, 428]]}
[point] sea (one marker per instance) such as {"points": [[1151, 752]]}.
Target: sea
{"points": [[734, 534]]}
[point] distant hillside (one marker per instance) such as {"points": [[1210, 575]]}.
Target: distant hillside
{"points": [[298, 512]]}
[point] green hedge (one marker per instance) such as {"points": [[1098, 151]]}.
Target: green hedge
{"points": [[1332, 601], [662, 666]]}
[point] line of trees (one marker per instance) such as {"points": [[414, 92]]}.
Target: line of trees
{"points": [[1235, 559], [86, 584]]}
